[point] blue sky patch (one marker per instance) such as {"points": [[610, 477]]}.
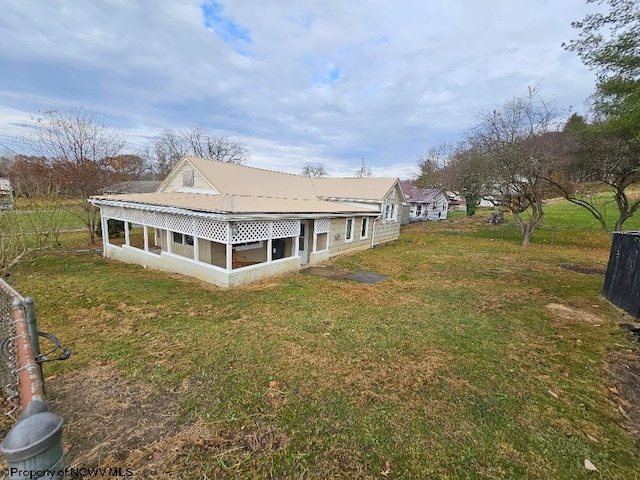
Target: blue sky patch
{"points": [[381, 39], [332, 76], [223, 27]]}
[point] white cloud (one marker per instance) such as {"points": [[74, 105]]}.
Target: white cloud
{"points": [[319, 81]]}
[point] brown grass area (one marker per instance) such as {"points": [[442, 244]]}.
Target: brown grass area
{"points": [[123, 423], [105, 412], [624, 375], [202, 447], [394, 380], [473, 359], [565, 312]]}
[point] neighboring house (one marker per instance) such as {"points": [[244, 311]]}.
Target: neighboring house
{"points": [[6, 194], [231, 225], [425, 203], [456, 202], [132, 186], [487, 202]]}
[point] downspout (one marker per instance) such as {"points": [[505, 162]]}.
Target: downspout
{"points": [[373, 232]]}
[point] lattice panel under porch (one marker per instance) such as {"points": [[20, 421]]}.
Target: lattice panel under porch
{"points": [[323, 225], [212, 230], [251, 231], [286, 228], [179, 223]]}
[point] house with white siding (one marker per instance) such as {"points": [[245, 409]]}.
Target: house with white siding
{"points": [[6, 194], [425, 203], [231, 224]]}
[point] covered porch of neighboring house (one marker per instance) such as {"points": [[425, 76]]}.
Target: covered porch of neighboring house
{"points": [[223, 251]]}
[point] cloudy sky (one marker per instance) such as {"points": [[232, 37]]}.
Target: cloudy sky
{"points": [[324, 82]]}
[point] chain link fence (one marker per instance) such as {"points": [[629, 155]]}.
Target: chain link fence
{"points": [[8, 354], [33, 447]]}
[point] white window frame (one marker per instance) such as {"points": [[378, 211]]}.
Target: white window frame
{"points": [[364, 226], [390, 212], [326, 243], [248, 245], [183, 239], [349, 230]]}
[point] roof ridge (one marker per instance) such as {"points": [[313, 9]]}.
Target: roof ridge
{"points": [[278, 198], [355, 178], [245, 166]]}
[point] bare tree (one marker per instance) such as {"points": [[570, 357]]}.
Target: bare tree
{"points": [[6, 162], [432, 165], [222, 149], [364, 170], [26, 232], [466, 172], [126, 167], [517, 144], [77, 143], [169, 146], [34, 177], [313, 171], [165, 151]]}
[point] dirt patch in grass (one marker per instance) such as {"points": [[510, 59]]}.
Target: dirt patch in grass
{"points": [[108, 415], [624, 371], [569, 313], [334, 274], [583, 269], [328, 272], [115, 421]]}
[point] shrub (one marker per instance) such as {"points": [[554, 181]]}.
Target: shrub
{"points": [[115, 227]]}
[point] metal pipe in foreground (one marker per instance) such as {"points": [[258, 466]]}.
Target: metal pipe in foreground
{"points": [[30, 312], [28, 371], [33, 448]]}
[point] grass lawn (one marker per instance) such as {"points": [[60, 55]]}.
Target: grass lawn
{"points": [[45, 215], [475, 358]]}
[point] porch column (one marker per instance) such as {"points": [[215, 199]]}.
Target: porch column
{"points": [[229, 247], [169, 241], [296, 246], [269, 250], [126, 234], [105, 234], [145, 229], [229, 257], [315, 240], [196, 249]]}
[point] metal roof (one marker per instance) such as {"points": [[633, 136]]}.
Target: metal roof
{"points": [[248, 190], [234, 179], [133, 186], [417, 194], [230, 204]]}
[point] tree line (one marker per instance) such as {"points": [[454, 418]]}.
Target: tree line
{"points": [[76, 155]]}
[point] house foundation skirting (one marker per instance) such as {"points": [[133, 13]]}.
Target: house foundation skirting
{"points": [[169, 262]]}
